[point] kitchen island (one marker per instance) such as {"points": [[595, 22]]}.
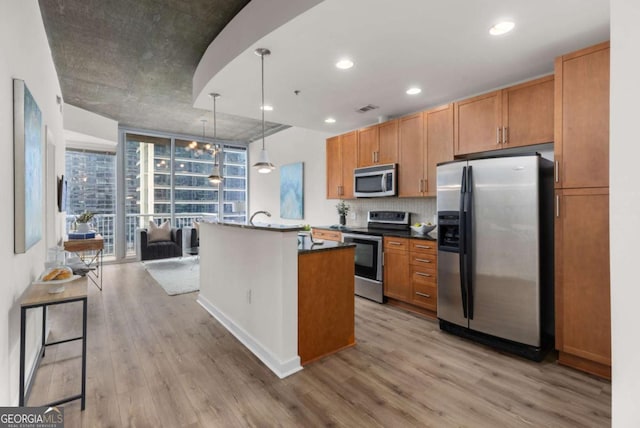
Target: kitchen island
{"points": [[290, 304]]}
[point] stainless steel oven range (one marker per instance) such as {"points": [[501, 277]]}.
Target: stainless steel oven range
{"points": [[368, 253], [368, 260]]}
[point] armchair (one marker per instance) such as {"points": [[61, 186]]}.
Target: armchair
{"points": [[161, 249]]}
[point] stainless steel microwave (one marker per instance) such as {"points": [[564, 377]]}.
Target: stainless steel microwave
{"points": [[375, 181]]}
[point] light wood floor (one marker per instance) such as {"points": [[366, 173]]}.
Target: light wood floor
{"points": [[156, 360]]}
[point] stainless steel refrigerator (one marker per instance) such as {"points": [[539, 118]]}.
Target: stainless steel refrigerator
{"points": [[495, 251]]}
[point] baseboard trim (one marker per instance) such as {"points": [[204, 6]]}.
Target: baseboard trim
{"points": [[281, 368]]}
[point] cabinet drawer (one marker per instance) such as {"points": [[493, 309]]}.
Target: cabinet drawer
{"points": [[425, 295], [421, 275], [392, 243], [423, 246], [427, 261], [331, 235]]}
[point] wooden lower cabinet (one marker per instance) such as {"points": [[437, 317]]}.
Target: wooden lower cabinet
{"points": [[329, 235], [582, 298], [410, 274], [397, 283]]}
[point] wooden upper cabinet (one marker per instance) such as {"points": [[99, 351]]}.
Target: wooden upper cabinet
{"points": [[378, 144], [478, 124], [349, 144], [367, 146], [334, 167], [411, 156], [388, 142], [438, 132], [527, 113], [582, 118], [521, 115], [342, 155]]}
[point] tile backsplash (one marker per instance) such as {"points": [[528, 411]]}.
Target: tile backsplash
{"points": [[421, 209]]}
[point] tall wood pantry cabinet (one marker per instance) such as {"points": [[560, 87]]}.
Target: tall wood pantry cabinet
{"points": [[582, 298]]}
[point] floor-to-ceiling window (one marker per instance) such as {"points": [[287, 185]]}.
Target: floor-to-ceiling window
{"points": [[91, 186], [166, 178]]}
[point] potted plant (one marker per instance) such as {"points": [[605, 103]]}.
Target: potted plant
{"points": [[82, 221], [343, 209]]}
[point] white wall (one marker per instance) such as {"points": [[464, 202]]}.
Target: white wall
{"points": [[290, 146], [625, 211], [24, 54], [88, 130], [302, 145]]}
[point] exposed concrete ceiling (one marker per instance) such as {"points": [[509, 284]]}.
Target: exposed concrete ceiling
{"points": [[133, 61]]}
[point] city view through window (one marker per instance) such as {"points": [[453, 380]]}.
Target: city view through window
{"points": [[166, 179]]}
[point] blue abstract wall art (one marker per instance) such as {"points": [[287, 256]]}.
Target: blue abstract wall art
{"points": [[292, 191]]}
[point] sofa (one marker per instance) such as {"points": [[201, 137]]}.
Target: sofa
{"points": [[160, 249]]}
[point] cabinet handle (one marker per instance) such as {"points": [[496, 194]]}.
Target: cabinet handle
{"points": [[423, 274], [505, 135], [497, 136], [420, 185], [557, 205], [377, 157], [428, 296], [425, 247], [423, 260], [373, 157], [557, 171], [395, 243]]}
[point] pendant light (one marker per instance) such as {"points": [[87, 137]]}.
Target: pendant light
{"points": [[215, 177], [263, 165]]}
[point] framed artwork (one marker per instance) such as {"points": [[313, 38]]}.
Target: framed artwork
{"points": [[292, 191], [28, 168]]}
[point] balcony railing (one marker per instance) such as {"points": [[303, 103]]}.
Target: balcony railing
{"points": [[104, 224]]}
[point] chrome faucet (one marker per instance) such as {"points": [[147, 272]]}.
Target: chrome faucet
{"points": [[267, 213]]}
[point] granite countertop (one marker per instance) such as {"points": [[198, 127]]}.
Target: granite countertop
{"points": [[308, 247], [264, 226], [397, 233]]}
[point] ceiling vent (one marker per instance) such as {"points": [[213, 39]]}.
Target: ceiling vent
{"points": [[367, 108]]}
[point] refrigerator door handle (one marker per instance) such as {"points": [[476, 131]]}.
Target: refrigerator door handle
{"points": [[469, 241], [462, 245]]}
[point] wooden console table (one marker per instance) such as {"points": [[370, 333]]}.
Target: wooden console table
{"points": [[37, 295], [80, 247]]}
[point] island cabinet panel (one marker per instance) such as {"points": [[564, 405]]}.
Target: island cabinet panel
{"points": [[342, 157], [478, 124], [326, 304], [582, 118], [527, 113], [582, 301], [411, 156], [397, 279], [438, 133]]}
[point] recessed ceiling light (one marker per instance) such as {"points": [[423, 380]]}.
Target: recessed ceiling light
{"points": [[329, 120], [344, 64], [501, 28], [266, 107], [414, 91]]}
